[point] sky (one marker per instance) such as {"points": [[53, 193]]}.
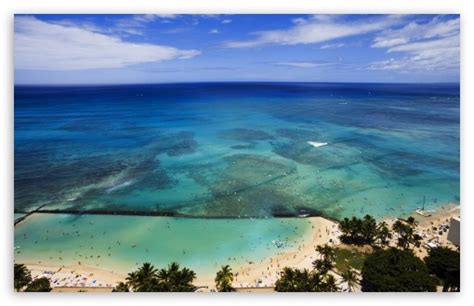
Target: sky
{"points": [[154, 48]]}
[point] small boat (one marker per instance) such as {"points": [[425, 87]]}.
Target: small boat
{"points": [[303, 215], [317, 144], [422, 212]]}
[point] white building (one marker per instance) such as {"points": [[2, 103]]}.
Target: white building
{"points": [[454, 232]]}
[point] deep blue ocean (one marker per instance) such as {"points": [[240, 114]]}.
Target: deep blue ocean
{"points": [[238, 149]]}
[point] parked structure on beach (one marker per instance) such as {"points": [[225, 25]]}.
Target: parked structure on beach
{"points": [[454, 234]]}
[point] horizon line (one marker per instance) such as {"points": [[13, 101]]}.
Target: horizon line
{"points": [[229, 82]]}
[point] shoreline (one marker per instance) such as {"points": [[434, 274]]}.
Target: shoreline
{"points": [[260, 274], [249, 274]]}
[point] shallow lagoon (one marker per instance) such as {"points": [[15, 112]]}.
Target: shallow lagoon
{"points": [[120, 243]]}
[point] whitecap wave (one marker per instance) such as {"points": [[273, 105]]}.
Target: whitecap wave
{"points": [[121, 185]]}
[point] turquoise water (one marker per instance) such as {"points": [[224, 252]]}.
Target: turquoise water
{"points": [[238, 150], [221, 150], [120, 243]]}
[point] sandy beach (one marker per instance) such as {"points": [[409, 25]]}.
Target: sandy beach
{"points": [[252, 276], [265, 273]]}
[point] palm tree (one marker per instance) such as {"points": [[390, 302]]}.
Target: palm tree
{"points": [[368, 229], [173, 279], [22, 276], [121, 287], [186, 278], [144, 279], [383, 233], [224, 279], [350, 278], [345, 227], [411, 221], [287, 280], [327, 257], [404, 232], [327, 252], [327, 284], [41, 284], [295, 280]]}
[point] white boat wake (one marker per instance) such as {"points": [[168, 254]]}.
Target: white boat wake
{"points": [[317, 144]]}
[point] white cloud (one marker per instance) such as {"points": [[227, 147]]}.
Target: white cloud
{"points": [[332, 46], [133, 25], [225, 21], [414, 31], [390, 42], [123, 27], [41, 45], [302, 64], [126, 26], [166, 16], [214, 31], [316, 29], [433, 45], [441, 54]]}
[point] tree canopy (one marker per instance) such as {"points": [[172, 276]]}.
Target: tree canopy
{"points": [[224, 279], [172, 279], [317, 280], [39, 285], [360, 231], [295, 280], [395, 270], [21, 275], [406, 233], [121, 287], [445, 264]]}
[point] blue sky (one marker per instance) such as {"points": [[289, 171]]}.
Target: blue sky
{"points": [[104, 49]]}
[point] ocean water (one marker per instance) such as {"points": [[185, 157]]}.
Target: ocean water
{"points": [[122, 243], [238, 149]]}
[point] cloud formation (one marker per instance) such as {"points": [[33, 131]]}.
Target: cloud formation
{"points": [[332, 46], [302, 64], [432, 45], [316, 29], [41, 45]]}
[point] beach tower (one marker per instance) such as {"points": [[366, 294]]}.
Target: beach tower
{"points": [[455, 231]]}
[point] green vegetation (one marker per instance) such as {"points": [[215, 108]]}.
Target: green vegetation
{"points": [[172, 279], [326, 261], [22, 276], [395, 270], [39, 285], [390, 269], [145, 279], [351, 278], [445, 264], [406, 233], [316, 280], [349, 259], [294, 280], [121, 287], [224, 279], [363, 231]]}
